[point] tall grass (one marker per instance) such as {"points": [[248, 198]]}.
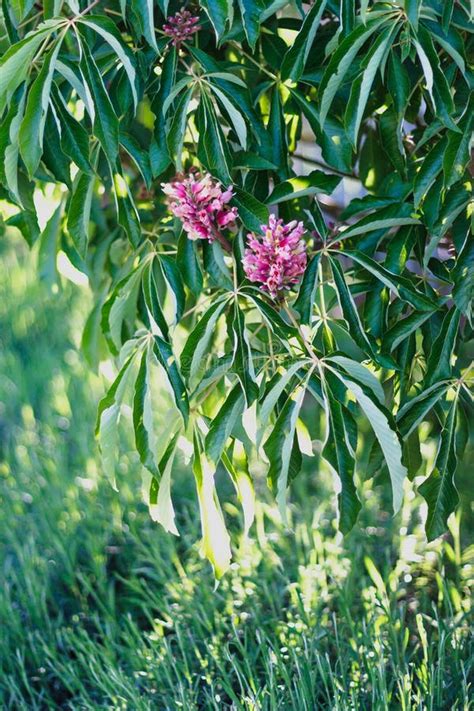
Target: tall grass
{"points": [[99, 608]]}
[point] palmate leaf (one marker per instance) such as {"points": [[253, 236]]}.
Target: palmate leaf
{"points": [[338, 452], [198, 341], [438, 489], [400, 285], [383, 425], [243, 361], [315, 182], [342, 60], [79, 212], [251, 11], [145, 437], [236, 463], [105, 125], [296, 57], [108, 415], [415, 410], [159, 491], [279, 447], [32, 127], [307, 292], [165, 357], [215, 544], [223, 423], [16, 61], [118, 307], [439, 365], [108, 30], [220, 13], [281, 382], [361, 87]]}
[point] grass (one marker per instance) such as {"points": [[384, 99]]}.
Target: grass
{"points": [[100, 609]]}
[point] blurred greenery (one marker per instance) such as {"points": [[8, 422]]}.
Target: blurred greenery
{"points": [[101, 609]]}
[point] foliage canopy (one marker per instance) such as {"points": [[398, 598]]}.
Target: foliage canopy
{"points": [[102, 104]]}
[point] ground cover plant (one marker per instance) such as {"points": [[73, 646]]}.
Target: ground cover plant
{"points": [[100, 610], [238, 297]]}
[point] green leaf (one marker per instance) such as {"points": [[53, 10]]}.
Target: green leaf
{"points": [[384, 428], [415, 410], [152, 315], [342, 60], [223, 423], [159, 491], [16, 62], [438, 489], [431, 166], [271, 317], [403, 328], [172, 278], [361, 87], [307, 292], [279, 445], [463, 274], [118, 306], [127, 214], [165, 357], [376, 222], [338, 452], [220, 13], [439, 366], [108, 416], [436, 82], [215, 544], [278, 134], [159, 157], [282, 380], [105, 124], [457, 154], [360, 373], [349, 310], [315, 182], [144, 11], [236, 118], [9, 145], [188, 264], [412, 9], [398, 83], [108, 30], [32, 127], [336, 150], [296, 57], [198, 340], [400, 285], [48, 245], [251, 11], [178, 129], [139, 156], [20, 9], [239, 473], [79, 212], [145, 437], [243, 363], [74, 139], [252, 212], [213, 144]]}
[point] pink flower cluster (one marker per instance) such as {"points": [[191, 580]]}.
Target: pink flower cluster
{"points": [[201, 205], [278, 259], [181, 26]]}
